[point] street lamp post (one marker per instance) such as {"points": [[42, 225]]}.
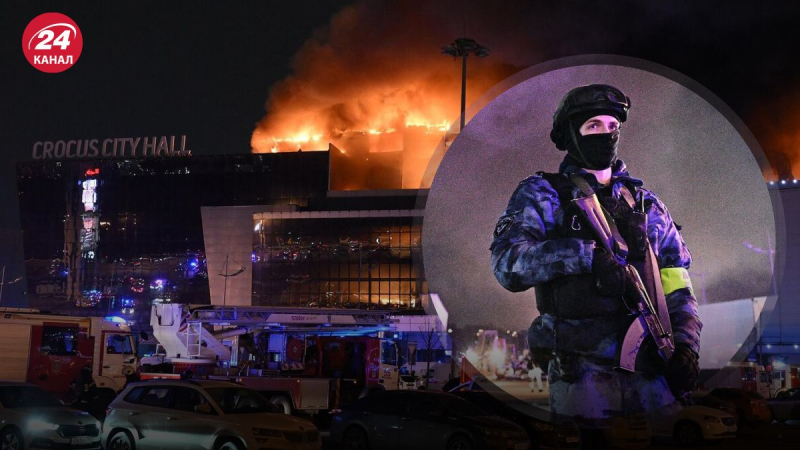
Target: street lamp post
{"points": [[462, 47]]}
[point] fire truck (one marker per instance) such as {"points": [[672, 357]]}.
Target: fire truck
{"points": [[50, 350], [302, 360]]}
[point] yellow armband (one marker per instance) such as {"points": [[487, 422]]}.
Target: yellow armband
{"points": [[674, 278]]}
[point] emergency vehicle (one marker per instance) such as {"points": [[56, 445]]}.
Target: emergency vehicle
{"points": [[302, 360], [49, 350]]}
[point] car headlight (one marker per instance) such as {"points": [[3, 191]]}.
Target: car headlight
{"points": [[266, 432], [711, 419], [41, 425]]}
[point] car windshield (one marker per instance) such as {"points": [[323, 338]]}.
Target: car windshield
{"points": [[236, 400], [26, 397], [461, 407]]}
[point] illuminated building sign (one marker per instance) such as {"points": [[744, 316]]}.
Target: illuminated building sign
{"points": [[155, 146], [89, 232], [89, 196]]}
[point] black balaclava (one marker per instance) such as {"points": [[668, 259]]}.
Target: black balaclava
{"points": [[593, 151]]}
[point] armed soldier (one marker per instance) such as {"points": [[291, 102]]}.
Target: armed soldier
{"points": [[615, 340]]}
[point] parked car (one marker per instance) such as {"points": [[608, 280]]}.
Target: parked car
{"points": [[629, 432], [202, 414], [692, 425], [751, 408], [408, 382], [786, 405], [30, 417], [542, 434], [394, 420]]}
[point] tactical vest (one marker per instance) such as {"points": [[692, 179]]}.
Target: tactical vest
{"points": [[577, 296]]}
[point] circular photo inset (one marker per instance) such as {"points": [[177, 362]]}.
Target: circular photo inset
{"points": [[584, 211]]}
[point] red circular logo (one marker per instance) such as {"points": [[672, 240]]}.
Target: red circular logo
{"points": [[52, 42]]}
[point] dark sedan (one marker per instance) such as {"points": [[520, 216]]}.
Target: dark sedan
{"points": [[786, 405], [542, 434], [395, 420]]}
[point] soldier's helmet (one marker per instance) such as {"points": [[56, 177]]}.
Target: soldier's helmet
{"points": [[599, 98]]}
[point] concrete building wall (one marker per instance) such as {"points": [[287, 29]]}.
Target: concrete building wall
{"points": [[228, 233]]}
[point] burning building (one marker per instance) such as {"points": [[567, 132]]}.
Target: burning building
{"points": [[385, 105]]}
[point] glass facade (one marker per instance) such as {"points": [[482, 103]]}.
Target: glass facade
{"points": [[112, 236], [344, 259]]}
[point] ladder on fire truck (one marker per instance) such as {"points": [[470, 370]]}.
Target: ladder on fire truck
{"points": [[290, 319], [230, 321]]}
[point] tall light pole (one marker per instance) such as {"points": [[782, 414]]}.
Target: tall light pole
{"points": [[463, 47]]}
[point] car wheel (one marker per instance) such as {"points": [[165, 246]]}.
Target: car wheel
{"points": [[688, 434], [120, 441], [282, 404], [460, 442], [11, 439], [228, 444], [355, 439]]}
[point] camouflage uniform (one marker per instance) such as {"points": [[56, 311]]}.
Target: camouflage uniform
{"points": [[527, 252]]}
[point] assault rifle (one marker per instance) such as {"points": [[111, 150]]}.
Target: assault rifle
{"points": [[647, 321]]}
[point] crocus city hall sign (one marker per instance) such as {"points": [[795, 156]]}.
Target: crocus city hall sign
{"points": [[112, 148]]}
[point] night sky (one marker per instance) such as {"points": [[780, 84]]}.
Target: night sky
{"points": [[205, 69]]}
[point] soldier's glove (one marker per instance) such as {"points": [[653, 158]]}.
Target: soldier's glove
{"points": [[611, 275], [683, 370]]}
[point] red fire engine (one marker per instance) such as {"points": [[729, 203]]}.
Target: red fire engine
{"points": [[301, 359], [49, 350]]}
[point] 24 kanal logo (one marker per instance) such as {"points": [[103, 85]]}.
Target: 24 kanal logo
{"points": [[52, 42]]}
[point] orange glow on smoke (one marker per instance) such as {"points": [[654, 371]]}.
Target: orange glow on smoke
{"points": [[375, 81]]}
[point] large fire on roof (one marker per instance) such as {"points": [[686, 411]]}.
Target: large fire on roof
{"points": [[377, 88]]}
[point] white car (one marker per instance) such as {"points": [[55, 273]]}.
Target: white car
{"points": [[202, 414], [407, 382], [694, 424], [32, 418]]}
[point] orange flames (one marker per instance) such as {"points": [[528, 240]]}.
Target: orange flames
{"points": [[375, 81], [319, 141]]}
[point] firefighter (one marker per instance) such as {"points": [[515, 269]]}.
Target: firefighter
{"points": [[84, 390], [581, 291]]}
